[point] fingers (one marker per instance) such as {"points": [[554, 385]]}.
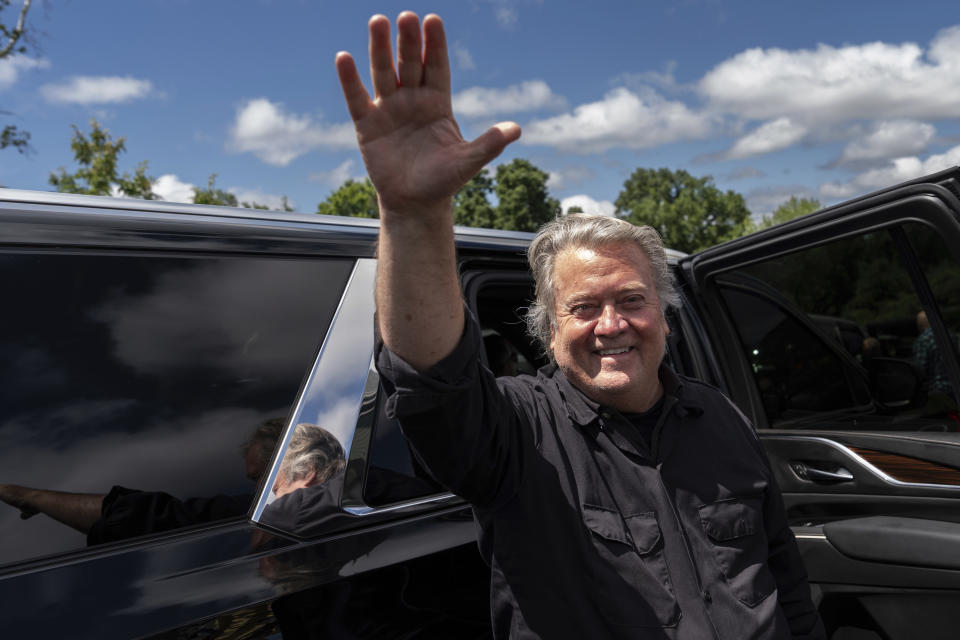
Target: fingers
{"points": [[436, 64], [409, 46], [488, 146], [358, 100], [381, 58]]}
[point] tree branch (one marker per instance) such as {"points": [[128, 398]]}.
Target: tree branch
{"points": [[17, 31]]}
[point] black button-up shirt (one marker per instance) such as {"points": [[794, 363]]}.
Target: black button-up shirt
{"points": [[592, 532]]}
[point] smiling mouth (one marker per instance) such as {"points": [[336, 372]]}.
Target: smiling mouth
{"points": [[612, 352]]}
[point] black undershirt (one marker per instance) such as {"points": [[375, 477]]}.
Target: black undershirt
{"points": [[645, 422]]}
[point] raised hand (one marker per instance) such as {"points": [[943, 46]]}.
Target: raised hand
{"points": [[411, 144]]}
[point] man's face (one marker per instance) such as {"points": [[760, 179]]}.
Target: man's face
{"points": [[284, 485], [610, 333]]}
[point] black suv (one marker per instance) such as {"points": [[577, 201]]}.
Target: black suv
{"points": [[153, 355]]}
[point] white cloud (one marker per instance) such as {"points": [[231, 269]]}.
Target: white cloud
{"points": [[263, 128], [622, 119], [588, 204], [771, 136], [835, 84], [898, 170], [97, 90], [170, 188], [568, 178], [889, 139], [479, 102], [337, 176], [506, 16], [11, 67], [462, 56], [259, 196]]}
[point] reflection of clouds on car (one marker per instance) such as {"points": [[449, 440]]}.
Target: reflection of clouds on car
{"points": [[228, 335]]}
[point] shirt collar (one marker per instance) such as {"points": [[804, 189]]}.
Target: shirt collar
{"points": [[583, 411]]}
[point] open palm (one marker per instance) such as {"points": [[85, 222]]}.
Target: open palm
{"points": [[411, 144]]}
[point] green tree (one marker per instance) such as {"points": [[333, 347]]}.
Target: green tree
{"points": [[10, 136], [471, 206], [575, 209], [213, 195], [352, 198], [97, 175], [523, 201], [792, 208], [690, 213]]}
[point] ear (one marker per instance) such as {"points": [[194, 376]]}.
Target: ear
{"points": [[309, 479], [553, 335]]}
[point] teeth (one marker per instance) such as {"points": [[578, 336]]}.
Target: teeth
{"points": [[613, 352]]}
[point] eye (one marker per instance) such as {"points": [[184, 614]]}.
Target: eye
{"points": [[582, 310], [634, 301]]}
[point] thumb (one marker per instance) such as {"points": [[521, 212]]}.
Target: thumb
{"points": [[487, 146]]}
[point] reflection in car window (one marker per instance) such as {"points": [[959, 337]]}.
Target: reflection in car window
{"points": [[835, 337], [143, 375]]}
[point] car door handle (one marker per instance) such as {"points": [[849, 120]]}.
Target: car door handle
{"points": [[807, 472]]}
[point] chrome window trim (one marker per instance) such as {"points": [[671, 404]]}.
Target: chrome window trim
{"points": [[352, 501], [870, 468], [335, 386], [416, 502]]}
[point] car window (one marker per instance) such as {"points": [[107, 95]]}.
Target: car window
{"points": [[836, 336], [148, 386]]}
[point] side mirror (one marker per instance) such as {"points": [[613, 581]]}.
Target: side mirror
{"points": [[896, 384]]}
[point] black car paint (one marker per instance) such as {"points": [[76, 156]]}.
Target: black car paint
{"points": [[414, 572]]}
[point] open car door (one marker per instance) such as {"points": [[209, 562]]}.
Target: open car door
{"points": [[836, 333]]}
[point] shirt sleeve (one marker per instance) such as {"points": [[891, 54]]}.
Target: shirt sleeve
{"points": [[457, 420]]}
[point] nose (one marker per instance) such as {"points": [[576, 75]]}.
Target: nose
{"points": [[610, 323]]}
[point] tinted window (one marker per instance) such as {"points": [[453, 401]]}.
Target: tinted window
{"points": [[149, 373], [832, 333]]}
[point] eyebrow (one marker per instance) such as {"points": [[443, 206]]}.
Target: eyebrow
{"points": [[628, 289]]}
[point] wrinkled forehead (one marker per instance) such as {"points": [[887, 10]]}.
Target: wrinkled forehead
{"points": [[578, 263]]}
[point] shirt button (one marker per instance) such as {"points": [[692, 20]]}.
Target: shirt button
{"points": [[707, 597]]}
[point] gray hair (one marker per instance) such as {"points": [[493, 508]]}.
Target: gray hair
{"points": [[578, 230], [312, 448]]}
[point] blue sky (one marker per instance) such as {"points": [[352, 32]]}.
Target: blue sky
{"points": [[815, 99]]}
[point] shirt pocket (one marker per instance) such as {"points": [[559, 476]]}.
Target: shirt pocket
{"points": [[631, 583], [735, 530]]}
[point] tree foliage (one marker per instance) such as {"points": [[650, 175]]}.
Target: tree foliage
{"points": [[690, 213], [220, 197], [10, 36], [523, 201], [792, 208], [352, 198], [97, 156], [213, 195], [471, 205]]}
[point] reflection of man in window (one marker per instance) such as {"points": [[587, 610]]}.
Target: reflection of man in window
{"points": [[312, 457], [125, 513], [308, 483], [927, 355]]}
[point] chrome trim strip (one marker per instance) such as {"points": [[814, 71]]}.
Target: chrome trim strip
{"points": [[880, 475], [810, 536], [333, 394], [367, 511]]}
